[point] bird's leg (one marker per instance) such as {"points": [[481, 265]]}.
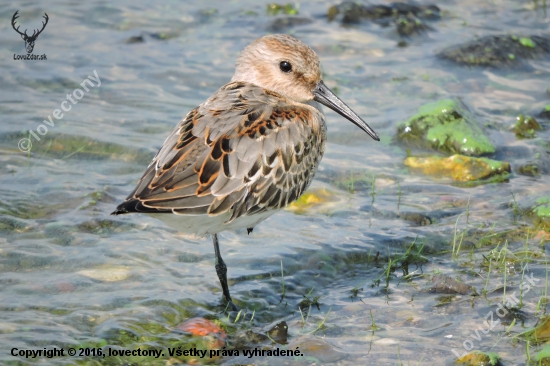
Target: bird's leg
{"points": [[221, 270]]}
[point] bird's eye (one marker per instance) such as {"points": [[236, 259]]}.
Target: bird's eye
{"points": [[285, 66]]}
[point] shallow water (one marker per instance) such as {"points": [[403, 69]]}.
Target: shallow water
{"points": [[73, 276]]}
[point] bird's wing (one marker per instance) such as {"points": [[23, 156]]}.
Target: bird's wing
{"points": [[244, 151]]}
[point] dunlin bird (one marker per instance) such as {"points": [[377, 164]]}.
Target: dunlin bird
{"points": [[248, 151]]}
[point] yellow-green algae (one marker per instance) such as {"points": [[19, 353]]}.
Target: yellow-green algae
{"points": [[527, 42], [446, 126], [318, 200], [459, 167], [478, 358]]}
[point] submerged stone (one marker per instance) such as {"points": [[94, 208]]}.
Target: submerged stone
{"points": [[62, 146], [497, 51], [353, 12], [446, 126], [545, 112], [541, 333], [442, 284], [459, 167], [106, 273], [279, 333], [530, 169], [408, 25], [164, 36], [134, 39], [478, 358], [288, 22], [408, 18], [525, 127], [316, 347]]}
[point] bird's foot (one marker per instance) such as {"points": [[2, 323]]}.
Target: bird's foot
{"points": [[230, 305]]}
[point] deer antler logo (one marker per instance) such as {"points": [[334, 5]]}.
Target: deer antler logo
{"points": [[29, 40]]}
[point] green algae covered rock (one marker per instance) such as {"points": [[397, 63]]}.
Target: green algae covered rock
{"points": [[446, 126], [543, 357], [541, 210], [478, 358]]}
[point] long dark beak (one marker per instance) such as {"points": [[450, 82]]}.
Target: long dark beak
{"points": [[325, 96]]}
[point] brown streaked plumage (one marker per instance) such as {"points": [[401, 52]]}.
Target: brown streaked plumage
{"points": [[249, 150]]}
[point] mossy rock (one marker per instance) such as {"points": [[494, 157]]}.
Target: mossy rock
{"points": [[349, 12], [275, 9], [539, 160], [408, 25], [497, 51], [530, 169], [545, 114], [478, 358], [409, 19], [543, 357], [541, 210], [525, 127], [446, 126], [458, 167]]}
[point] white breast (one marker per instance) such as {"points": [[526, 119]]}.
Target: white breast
{"points": [[202, 225]]}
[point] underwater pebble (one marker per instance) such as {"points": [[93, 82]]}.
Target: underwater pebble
{"points": [[64, 286], [386, 342], [442, 284], [106, 274], [316, 347], [352, 308]]}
